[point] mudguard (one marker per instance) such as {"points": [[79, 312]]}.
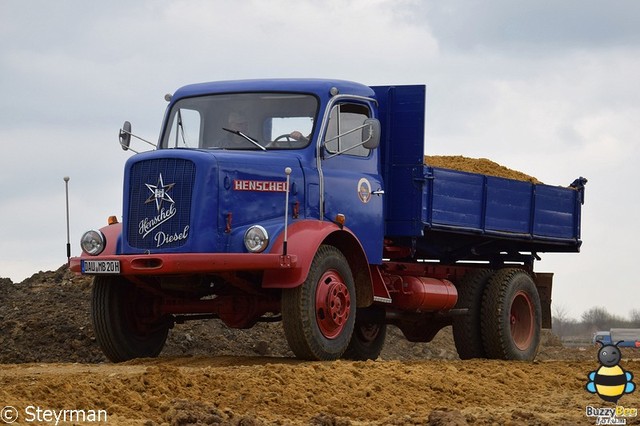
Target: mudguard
{"points": [[304, 239], [112, 233]]}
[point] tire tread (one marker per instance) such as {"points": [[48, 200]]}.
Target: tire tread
{"points": [[467, 330], [495, 325], [298, 311]]}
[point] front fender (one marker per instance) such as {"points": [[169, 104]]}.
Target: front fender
{"points": [[304, 239], [112, 234]]}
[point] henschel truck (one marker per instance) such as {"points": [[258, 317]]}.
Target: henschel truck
{"points": [[307, 201]]}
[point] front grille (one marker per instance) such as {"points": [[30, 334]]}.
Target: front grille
{"points": [[160, 203]]}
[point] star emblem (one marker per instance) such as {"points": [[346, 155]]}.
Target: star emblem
{"points": [[159, 193]]}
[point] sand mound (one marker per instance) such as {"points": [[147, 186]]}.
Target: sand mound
{"points": [[476, 165]]}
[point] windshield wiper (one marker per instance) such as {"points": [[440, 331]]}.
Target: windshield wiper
{"points": [[249, 138], [180, 130]]}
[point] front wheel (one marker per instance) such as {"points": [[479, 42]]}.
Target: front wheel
{"points": [[318, 316], [123, 320], [511, 316]]}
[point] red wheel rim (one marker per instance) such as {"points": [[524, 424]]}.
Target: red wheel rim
{"points": [[333, 304], [521, 319]]}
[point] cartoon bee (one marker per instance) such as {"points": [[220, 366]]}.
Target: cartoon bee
{"points": [[610, 381]]}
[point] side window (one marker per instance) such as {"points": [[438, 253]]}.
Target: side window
{"points": [[185, 129], [343, 133]]}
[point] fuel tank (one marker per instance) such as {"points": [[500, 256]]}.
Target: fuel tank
{"points": [[412, 293]]}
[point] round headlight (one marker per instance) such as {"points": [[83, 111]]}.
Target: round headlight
{"points": [[93, 242], [256, 239]]}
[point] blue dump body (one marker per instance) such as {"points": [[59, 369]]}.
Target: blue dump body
{"points": [[456, 215]]}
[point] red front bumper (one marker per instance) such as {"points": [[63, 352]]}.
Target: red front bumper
{"points": [[190, 263]]}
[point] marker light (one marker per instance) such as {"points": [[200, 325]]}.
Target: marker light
{"points": [[93, 242], [112, 220], [256, 239]]}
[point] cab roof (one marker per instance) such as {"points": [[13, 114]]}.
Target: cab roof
{"points": [[318, 87]]}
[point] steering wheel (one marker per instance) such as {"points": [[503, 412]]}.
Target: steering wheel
{"points": [[284, 137]]}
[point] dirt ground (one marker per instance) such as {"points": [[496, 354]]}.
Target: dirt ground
{"points": [[209, 374]]}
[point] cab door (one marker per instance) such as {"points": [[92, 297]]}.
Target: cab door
{"points": [[352, 184]]}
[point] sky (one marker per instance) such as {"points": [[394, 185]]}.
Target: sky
{"points": [[545, 87]]}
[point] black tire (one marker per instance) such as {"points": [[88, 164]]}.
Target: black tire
{"points": [[467, 330], [119, 311], [318, 316], [368, 335], [511, 316]]}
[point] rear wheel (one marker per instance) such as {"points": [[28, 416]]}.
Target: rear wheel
{"points": [[318, 316], [123, 320], [467, 333], [511, 316], [368, 335]]}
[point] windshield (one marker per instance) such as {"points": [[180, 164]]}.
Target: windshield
{"points": [[253, 121]]}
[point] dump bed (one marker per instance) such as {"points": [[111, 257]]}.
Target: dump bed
{"points": [[521, 215], [453, 215]]}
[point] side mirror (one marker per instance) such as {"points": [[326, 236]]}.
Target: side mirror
{"points": [[125, 135], [371, 133]]}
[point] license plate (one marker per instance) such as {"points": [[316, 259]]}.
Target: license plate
{"points": [[100, 266]]}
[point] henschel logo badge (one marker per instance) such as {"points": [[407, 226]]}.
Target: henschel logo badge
{"points": [[364, 190], [159, 194]]}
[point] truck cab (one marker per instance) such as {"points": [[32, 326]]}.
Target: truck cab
{"points": [[248, 136]]}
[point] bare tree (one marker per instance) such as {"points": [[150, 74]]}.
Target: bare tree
{"points": [[634, 317], [597, 318], [560, 319]]}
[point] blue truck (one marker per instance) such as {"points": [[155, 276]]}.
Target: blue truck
{"points": [[307, 201], [621, 337]]}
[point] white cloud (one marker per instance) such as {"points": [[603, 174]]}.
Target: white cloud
{"points": [[523, 28]]}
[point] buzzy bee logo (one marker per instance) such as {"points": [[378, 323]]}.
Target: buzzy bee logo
{"points": [[610, 382]]}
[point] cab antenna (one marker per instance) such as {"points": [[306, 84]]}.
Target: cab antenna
{"points": [[66, 188]]}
